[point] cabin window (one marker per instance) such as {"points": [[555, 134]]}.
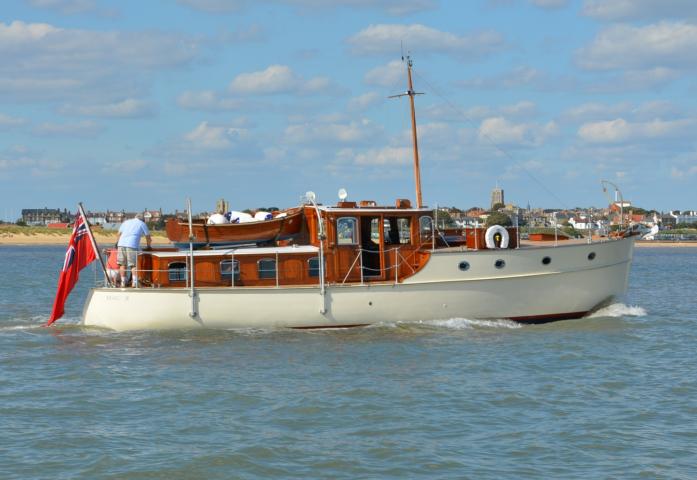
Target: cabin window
{"points": [[313, 267], [464, 266], [499, 263], [266, 268], [404, 226], [397, 231], [591, 256], [227, 267], [546, 261], [177, 271], [425, 228], [375, 230], [346, 231]]}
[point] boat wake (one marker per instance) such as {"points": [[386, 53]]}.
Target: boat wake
{"points": [[619, 310], [465, 324], [35, 324]]}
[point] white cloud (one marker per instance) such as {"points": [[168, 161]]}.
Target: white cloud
{"points": [[209, 100], [364, 101], [501, 131], [42, 61], [595, 110], [451, 113], [391, 75], [7, 121], [249, 34], [128, 108], [20, 158], [385, 39], [621, 131], [332, 133], [384, 156], [86, 129], [663, 46], [655, 109], [685, 168], [522, 76], [214, 137], [600, 111], [276, 79], [680, 173], [617, 10], [524, 108]]}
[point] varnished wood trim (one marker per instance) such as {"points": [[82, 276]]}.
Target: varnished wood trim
{"points": [[548, 318], [325, 327]]}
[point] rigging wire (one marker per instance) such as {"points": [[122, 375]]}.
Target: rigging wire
{"points": [[459, 111]]}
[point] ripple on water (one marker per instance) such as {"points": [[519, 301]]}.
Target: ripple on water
{"points": [[610, 395]]}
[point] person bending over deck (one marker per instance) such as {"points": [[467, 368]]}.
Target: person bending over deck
{"points": [[112, 266], [127, 243]]}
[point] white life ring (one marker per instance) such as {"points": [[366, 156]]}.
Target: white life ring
{"points": [[491, 232]]}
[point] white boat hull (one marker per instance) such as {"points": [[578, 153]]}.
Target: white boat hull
{"points": [[525, 289]]}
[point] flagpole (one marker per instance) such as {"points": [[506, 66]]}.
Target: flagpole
{"points": [[94, 243]]}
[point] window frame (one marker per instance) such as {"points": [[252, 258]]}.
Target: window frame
{"points": [[354, 235], [232, 273], [264, 274], [311, 269], [177, 271], [422, 237]]}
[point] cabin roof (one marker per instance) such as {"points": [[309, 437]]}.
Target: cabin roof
{"points": [[299, 249], [387, 210]]}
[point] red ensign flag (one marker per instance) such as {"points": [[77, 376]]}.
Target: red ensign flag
{"points": [[80, 254]]}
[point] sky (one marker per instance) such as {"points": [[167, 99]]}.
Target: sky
{"points": [[126, 104]]}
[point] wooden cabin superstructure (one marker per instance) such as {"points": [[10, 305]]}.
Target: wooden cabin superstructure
{"points": [[364, 243]]}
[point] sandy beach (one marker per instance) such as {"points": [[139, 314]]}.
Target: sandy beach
{"points": [[655, 243], [60, 238]]}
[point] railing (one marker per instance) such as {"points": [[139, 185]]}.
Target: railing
{"points": [[398, 262], [396, 265]]}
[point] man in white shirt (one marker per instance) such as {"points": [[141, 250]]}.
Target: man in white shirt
{"points": [[128, 242]]}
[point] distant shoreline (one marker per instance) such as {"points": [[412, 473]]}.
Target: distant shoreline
{"points": [[108, 240], [103, 240], [663, 244]]}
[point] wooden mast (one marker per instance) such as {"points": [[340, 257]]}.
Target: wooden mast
{"points": [[417, 170], [411, 94]]}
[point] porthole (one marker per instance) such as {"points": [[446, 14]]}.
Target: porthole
{"points": [[499, 263], [464, 266], [546, 261], [591, 256]]}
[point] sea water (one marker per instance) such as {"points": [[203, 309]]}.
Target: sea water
{"points": [[609, 396]]}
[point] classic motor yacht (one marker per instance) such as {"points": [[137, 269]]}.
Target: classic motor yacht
{"points": [[355, 264]]}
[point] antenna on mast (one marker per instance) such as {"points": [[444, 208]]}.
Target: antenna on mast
{"points": [[411, 94]]}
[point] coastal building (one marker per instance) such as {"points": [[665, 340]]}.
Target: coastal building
{"points": [[44, 216], [222, 205], [688, 216], [497, 196], [115, 217], [152, 215]]}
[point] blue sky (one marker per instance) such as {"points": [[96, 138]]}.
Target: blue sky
{"points": [[131, 104]]}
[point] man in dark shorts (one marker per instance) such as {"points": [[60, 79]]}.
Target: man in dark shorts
{"points": [[127, 243]]}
